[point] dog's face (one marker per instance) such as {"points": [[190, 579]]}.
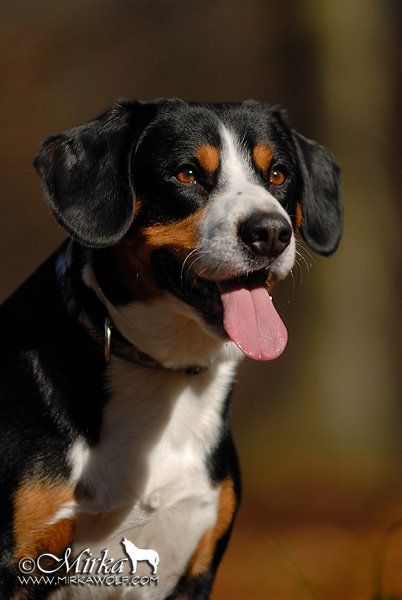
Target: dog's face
{"points": [[198, 204]]}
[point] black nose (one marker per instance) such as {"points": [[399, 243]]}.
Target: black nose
{"points": [[265, 234]]}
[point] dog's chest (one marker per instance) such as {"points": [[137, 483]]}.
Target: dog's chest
{"points": [[147, 479]]}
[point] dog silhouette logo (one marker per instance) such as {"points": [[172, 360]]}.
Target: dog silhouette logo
{"points": [[140, 554]]}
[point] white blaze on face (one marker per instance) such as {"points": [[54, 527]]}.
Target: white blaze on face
{"points": [[239, 195], [250, 318]]}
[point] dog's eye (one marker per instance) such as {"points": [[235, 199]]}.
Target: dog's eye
{"points": [[277, 177], [186, 176]]}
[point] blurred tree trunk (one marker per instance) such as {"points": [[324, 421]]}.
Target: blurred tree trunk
{"points": [[357, 361]]}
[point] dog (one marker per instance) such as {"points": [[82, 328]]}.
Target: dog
{"points": [[119, 352], [140, 554]]}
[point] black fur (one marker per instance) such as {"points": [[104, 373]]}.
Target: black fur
{"points": [[85, 174], [321, 200]]}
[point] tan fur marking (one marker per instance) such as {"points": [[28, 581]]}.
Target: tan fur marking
{"points": [[299, 216], [203, 554], [262, 156], [137, 206], [133, 254], [180, 236], [35, 504], [208, 157]]}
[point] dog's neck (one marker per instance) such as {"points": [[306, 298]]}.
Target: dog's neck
{"points": [[160, 332], [174, 338]]}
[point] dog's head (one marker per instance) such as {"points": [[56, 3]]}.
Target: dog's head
{"points": [[196, 202]]}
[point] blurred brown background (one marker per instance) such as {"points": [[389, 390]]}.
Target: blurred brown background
{"points": [[319, 431]]}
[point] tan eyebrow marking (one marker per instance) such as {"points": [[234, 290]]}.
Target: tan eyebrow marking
{"points": [[208, 157], [262, 156]]}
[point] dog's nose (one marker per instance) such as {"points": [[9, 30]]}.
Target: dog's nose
{"points": [[265, 234]]}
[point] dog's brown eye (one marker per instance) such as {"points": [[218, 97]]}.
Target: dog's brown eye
{"points": [[186, 176], [277, 177]]}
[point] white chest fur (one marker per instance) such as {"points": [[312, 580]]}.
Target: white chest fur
{"points": [[147, 479]]}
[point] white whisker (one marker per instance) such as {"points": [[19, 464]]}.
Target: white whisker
{"points": [[184, 263]]}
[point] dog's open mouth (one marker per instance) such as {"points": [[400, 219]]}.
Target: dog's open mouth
{"points": [[239, 308]]}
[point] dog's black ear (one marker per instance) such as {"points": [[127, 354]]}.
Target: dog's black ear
{"points": [[86, 175], [321, 199]]}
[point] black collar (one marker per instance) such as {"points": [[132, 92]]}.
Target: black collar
{"points": [[83, 306]]}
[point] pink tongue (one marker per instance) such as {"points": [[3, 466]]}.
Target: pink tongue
{"points": [[251, 321]]}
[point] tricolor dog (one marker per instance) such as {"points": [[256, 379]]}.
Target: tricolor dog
{"points": [[118, 354]]}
